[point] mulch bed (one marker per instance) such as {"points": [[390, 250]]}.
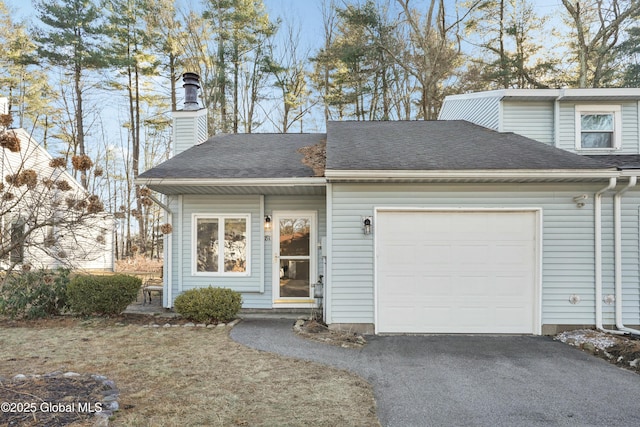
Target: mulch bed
{"points": [[50, 401], [318, 331]]}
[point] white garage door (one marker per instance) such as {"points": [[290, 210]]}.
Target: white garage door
{"points": [[456, 272]]}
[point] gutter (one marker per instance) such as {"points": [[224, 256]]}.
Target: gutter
{"points": [[597, 206], [204, 182], [617, 212], [468, 175]]}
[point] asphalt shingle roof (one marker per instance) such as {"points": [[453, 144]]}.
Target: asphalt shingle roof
{"points": [[241, 156], [620, 161], [384, 145], [440, 145]]}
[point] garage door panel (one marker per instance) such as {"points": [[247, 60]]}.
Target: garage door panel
{"points": [[463, 272]]}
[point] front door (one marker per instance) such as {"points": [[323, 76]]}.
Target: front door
{"points": [[294, 264]]}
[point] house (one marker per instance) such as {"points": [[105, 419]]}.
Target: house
{"points": [[416, 227], [38, 228]]}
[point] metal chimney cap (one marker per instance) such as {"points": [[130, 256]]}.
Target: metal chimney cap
{"points": [[191, 86]]}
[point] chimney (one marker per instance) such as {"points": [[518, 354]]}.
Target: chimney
{"points": [[191, 86], [190, 123]]}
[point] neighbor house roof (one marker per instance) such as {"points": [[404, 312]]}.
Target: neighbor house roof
{"points": [[235, 156], [440, 145], [566, 94]]}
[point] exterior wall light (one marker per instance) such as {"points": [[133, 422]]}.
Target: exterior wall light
{"points": [[580, 200], [366, 224], [267, 227]]}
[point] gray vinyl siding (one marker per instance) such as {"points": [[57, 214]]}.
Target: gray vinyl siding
{"points": [[483, 111], [630, 256], [182, 278], [630, 136], [567, 239], [220, 205], [189, 129], [531, 119]]}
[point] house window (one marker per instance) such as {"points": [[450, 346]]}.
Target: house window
{"points": [[598, 127], [221, 244]]}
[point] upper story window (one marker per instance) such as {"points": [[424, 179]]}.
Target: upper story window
{"points": [[221, 244], [598, 127]]}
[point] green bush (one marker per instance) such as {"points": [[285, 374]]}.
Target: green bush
{"points": [[102, 294], [34, 294], [209, 305]]}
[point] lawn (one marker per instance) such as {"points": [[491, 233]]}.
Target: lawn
{"points": [[187, 376]]}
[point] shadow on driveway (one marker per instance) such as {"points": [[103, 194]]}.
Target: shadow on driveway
{"points": [[461, 380]]}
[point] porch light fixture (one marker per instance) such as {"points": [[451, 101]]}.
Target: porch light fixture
{"points": [[267, 223], [366, 225]]}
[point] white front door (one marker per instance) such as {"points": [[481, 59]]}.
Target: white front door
{"points": [[294, 260]]}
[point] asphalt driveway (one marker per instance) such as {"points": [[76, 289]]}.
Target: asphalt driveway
{"points": [[447, 380]]}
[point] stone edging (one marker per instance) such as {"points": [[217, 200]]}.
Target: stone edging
{"points": [[194, 325]]}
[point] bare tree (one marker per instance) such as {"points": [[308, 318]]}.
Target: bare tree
{"points": [[598, 25]]}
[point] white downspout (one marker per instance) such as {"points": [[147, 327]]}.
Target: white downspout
{"points": [[617, 212], [597, 205], [168, 258]]}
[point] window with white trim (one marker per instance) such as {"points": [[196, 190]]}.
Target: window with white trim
{"points": [[221, 244], [598, 127]]}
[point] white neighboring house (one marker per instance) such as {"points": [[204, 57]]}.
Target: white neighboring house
{"points": [[40, 222]]}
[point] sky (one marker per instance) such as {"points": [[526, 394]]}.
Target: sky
{"points": [[305, 14]]}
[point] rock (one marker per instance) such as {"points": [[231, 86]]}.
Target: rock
{"points": [[201, 325], [112, 406], [109, 383], [298, 325], [20, 377], [70, 374], [108, 399], [220, 325], [634, 363], [589, 347], [189, 325], [211, 325], [234, 323], [167, 325], [99, 377]]}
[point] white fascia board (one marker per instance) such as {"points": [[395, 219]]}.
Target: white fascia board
{"points": [[230, 182], [467, 174], [595, 92], [507, 93]]}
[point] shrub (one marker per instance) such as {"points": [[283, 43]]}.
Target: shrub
{"points": [[102, 294], [34, 294], [209, 305]]}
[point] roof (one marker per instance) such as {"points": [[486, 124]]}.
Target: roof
{"points": [[441, 145], [566, 94], [403, 151], [620, 161], [240, 156]]}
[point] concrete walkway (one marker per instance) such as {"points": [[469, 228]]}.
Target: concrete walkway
{"points": [[446, 380]]}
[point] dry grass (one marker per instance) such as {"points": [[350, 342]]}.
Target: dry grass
{"points": [[189, 376], [138, 263]]}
